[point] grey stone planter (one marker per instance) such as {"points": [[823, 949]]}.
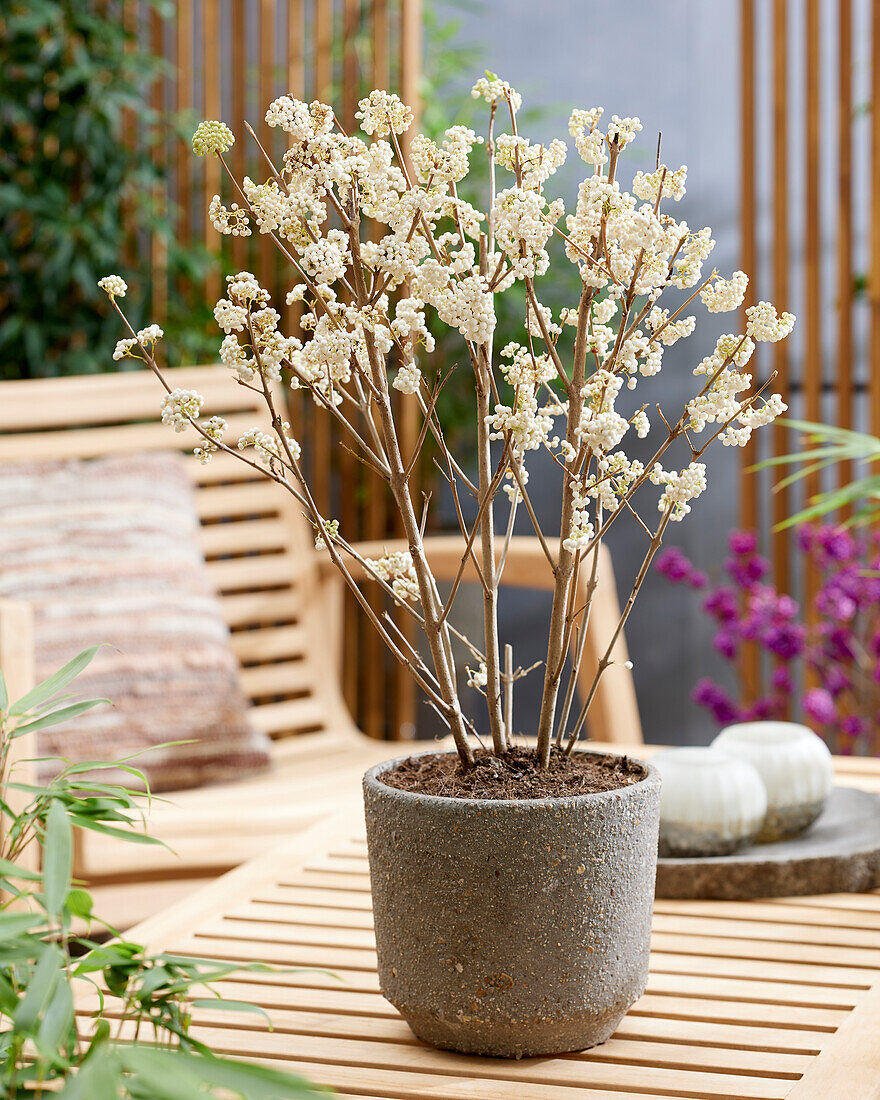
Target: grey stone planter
{"points": [[516, 927]]}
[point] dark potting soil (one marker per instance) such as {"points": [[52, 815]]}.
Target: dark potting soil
{"points": [[514, 775]]}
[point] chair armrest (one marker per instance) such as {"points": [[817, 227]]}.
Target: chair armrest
{"points": [[526, 565], [614, 713]]}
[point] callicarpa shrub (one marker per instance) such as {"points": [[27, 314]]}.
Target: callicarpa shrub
{"points": [[833, 654], [577, 385]]}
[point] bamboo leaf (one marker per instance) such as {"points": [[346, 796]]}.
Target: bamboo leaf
{"points": [[13, 924], [40, 989], [55, 682], [57, 859], [56, 717]]}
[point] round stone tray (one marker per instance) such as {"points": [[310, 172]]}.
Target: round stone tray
{"points": [[839, 853]]}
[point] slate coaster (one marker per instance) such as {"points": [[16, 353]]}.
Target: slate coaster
{"points": [[839, 853]]}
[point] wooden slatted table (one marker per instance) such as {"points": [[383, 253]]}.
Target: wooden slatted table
{"points": [[759, 1000]]}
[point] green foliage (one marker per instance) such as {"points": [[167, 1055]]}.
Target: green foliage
{"points": [[122, 991], [828, 446], [71, 192]]}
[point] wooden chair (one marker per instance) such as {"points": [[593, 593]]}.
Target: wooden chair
{"points": [[283, 606]]}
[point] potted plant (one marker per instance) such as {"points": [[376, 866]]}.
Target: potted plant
{"points": [[512, 884]]}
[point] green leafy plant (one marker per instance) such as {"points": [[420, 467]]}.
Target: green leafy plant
{"points": [[828, 446], [79, 1018], [72, 193]]}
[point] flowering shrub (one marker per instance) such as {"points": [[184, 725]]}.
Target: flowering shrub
{"points": [[839, 646], [566, 386]]}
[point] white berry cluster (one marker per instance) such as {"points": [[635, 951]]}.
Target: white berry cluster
{"points": [[181, 407], [680, 487], [449, 162], [231, 221], [724, 295], [492, 90], [267, 447], [477, 677], [398, 571], [145, 338], [331, 526], [209, 444], [661, 183], [114, 286], [212, 137], [382, 112], [764, 323]]}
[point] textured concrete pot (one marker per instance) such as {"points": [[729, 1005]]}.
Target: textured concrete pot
{"points": [[514, 927]]}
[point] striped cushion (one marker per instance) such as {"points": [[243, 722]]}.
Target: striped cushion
{"points": [[107, 551]]}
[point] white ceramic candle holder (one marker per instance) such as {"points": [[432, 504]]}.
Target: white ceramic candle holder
{"points": [[795, 766], [711, 804]]}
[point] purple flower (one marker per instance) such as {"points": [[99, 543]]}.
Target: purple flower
{"points": [[838, 645], [698, 579], [782, 681], [819, 706], [725, 642], [806, 539], [709, 695], [762, 709], [836, 542], [835, 680], [742, 542], [786, 607], [673, 565], [852, 726], [746, 572], [835, 605], [721, 604], [786, 640]]}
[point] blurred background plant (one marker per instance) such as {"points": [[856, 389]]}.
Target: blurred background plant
{"points": [[74, 198], [825, 662], [826, 447], [50, 960]]}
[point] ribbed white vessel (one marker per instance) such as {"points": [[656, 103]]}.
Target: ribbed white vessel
{"points": [[711, 803], [795, 766]]}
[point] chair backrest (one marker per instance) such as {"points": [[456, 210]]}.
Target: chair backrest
{"points": [[258, 546]]}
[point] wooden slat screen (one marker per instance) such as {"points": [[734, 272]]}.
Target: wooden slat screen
{"points": [[810, 236], [228, 59]]}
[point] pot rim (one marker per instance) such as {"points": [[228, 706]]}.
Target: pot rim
{"points": [[372, 781]]}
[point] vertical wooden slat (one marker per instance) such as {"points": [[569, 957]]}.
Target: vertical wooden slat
{"points": [[321, 442], [129, 138], [266, 85], [780, 262], [844, 226], [238, 162], [812, 357], [410, 60], [874, 270], [748, 503], [158, 243], [211, 77], [185, 34], [375, 698], [360, 641]]}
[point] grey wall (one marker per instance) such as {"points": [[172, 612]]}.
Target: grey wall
{"points": [[676, 67]]}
